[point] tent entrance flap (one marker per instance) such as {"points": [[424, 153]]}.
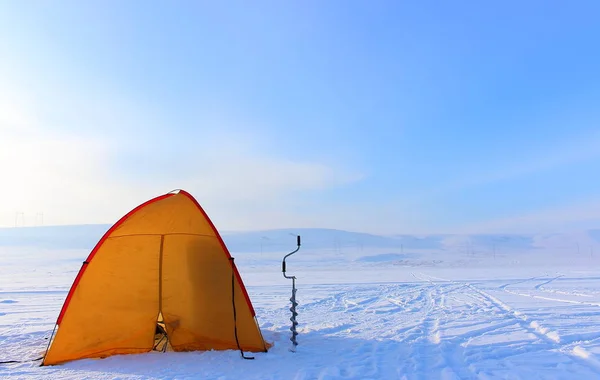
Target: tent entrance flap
{"points": [[161, 337]]}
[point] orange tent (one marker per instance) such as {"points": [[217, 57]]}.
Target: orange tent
{"points": [[163, 264]]}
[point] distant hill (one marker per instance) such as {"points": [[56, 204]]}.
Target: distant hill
{"points": [[60, 237], [86, 236], [312, 238], [331, 240]]}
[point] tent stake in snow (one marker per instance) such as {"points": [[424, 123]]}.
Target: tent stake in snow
{"points": [[292, 299]]}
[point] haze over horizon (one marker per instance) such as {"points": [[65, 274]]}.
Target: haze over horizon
{"points": [[382, 118]]}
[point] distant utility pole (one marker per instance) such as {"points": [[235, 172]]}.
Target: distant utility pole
{"points": [[262, 239], [358, 245], [17, 215], [39, 217]]}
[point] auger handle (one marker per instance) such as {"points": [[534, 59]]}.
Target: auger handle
{"points": [[283, 266]]}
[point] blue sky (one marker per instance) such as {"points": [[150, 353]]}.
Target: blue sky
{"points": [[387, 117]]}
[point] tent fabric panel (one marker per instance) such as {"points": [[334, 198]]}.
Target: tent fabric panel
{"points": [[100, 243], [177, 214], [197, 297], [223, 246], [113, 309]]}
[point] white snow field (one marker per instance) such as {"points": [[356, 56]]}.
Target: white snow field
{"points": [[401, 307]]}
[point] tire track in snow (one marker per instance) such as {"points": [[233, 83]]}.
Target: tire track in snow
{"points": [[435, 353], [456, 364], [596, 304], [576, 294], [531, 325], [573, 350], [580, 354], [526, 322], [519, 282], [540, 287], [381, 308], [423, 355], [432, 324]]}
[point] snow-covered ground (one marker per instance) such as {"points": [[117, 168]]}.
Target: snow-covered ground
{"points": [[389, 308]]}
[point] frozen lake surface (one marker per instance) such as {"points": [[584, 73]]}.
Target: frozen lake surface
{"points": [[364, 313]]}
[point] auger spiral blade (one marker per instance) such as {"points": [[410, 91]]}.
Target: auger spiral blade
{"points": [[292, 300]]}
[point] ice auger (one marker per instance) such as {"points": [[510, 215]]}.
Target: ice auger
{"points": [[292, 299]]}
